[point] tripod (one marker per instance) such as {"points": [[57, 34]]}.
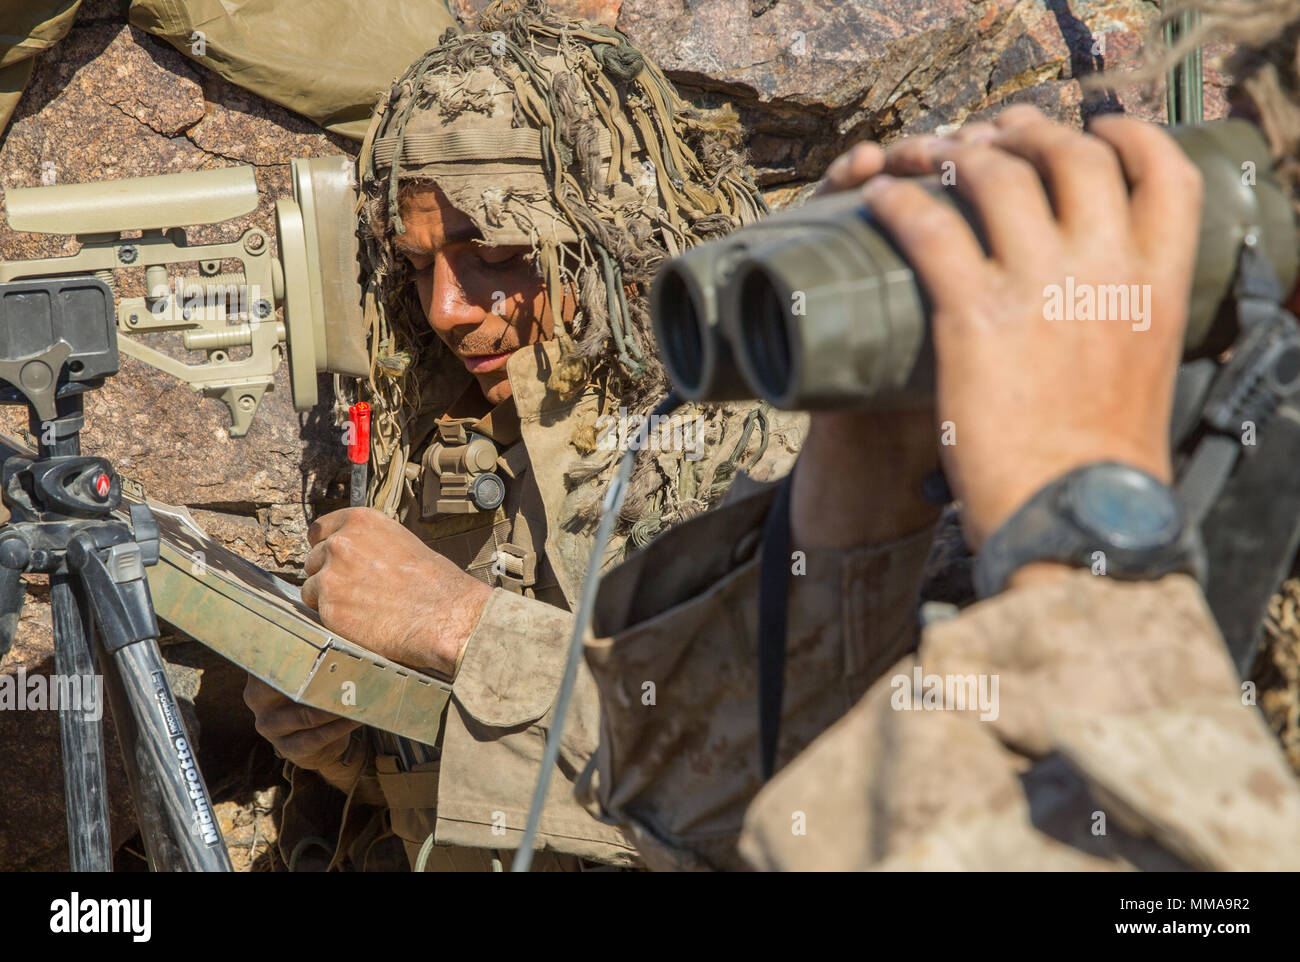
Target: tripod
{"points": [[62, 523]]}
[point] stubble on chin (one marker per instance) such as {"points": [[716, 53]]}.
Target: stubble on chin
{"points": [[495, 388]]}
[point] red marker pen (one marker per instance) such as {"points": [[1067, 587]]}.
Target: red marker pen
{"points": [[359, 451]]}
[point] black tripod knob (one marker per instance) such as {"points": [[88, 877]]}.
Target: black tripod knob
{"points": [[73, 486]]}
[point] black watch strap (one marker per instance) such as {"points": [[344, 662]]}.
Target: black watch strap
{"points": [[1051, 526]]}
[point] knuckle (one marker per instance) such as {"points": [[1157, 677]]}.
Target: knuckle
{"points": [[1000, 170], [291, 747], [310, 743], [326, 583], [911, 154], [975, 131], [1148, 139], [1148, 135], [932, 223], [1087, 151], [1187, 176], [1019, 113], [1065, 152]]}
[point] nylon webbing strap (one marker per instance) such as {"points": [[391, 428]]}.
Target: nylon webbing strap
{"points": [[451, 146], [1205, 475], [773, 601], [1185, 86]]}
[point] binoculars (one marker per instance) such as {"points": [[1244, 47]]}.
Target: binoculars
{"points": [[815, 308]]}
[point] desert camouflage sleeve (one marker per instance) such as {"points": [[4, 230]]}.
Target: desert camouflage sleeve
{"points": [[475, 797], [502, 700], [1118, 736], [676, 670]]}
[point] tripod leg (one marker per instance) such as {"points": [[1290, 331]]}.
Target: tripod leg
{"points": [[14, 557], [129, 633], [162, 739], [161, 849], [82, 739]]}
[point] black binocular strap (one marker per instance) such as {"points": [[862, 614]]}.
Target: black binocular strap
{"points": [[773, 601]]}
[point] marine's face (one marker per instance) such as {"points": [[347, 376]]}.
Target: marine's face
{"points": [[484, 302]]}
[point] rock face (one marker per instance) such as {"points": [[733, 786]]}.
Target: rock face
{"points": [[113, 102], [809, 78]]}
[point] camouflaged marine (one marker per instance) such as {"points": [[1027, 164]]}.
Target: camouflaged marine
{"points": [[1123, 737], [512, 361]]}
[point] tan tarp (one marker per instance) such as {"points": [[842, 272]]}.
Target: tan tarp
{"points": [[326, 59], [27, 28]]}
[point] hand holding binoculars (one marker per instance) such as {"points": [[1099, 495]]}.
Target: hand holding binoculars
{"points": [[814, 308]]}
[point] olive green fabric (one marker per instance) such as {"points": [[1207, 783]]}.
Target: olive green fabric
{"points": [[329, 60], [27, 28]]}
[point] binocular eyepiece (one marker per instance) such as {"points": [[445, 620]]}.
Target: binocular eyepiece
{"points": [[815, 308]]}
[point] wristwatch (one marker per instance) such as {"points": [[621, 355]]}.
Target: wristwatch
{"points": [[1110, 517]]}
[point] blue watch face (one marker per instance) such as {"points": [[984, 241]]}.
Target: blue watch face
{"points": [[1125, 507]]}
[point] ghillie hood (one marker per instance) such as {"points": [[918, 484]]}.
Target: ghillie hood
{"points": [[559, 135]]}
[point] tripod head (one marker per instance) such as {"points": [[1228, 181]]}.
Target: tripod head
{"points": [[57, 339]]}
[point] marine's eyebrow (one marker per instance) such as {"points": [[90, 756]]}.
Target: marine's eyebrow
{"points": [[458, 235]]}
